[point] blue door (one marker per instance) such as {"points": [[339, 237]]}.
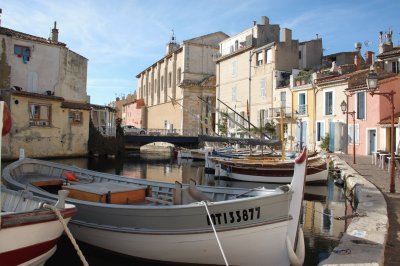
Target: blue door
{"points": [[331, 136], [372, 140], [303, 134]]}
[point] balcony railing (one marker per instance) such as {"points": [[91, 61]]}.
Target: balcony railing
{"points": [[302, 109], [280, 111]]}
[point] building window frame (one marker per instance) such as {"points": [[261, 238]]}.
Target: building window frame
{"points": [[75, 117], [263, 91], [329, 102], [361, 105], [39, 114], [23, 52]]}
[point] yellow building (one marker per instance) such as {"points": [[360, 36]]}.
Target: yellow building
{"points": [[44, 84]]}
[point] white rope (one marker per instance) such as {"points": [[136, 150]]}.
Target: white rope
{"points": [[67, 231], [215, 233]]}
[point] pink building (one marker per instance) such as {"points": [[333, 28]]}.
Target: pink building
{"points": [[132, 113], [372, 114]]}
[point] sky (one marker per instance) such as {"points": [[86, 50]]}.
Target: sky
{"points": [[121, 38]]}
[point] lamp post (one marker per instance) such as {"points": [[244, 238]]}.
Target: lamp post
{"points": [[343, 106], [372, 85]]}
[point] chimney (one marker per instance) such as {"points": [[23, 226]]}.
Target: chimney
{"points": [[54, 33], [264, 20], [254, 22], [357, 57], [369, 57], [286, 35]]}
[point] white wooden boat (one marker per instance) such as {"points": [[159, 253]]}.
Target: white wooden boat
{"points": [[266, 169], [29, 231], [29, 226], [173, 222]]}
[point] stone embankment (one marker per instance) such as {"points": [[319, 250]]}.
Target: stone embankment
{"points": [[365, 239]]}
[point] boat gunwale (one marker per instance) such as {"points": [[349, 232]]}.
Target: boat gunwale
{"points": [[264, 193]]}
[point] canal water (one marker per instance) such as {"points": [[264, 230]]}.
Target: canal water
{"points": [[322, 204]]}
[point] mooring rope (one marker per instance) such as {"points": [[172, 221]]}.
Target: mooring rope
{"points": [[215, 232], [67, 231]]}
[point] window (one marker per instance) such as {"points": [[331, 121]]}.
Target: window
{"points": [[302, 104], [236, 45], [259, 59], [360, 105], [268, 56], [299, 54], [234, 68], [283, 98], [75, 117], [169, 79], [263, 92], [350, 134], [162, 83], [262, 118], [320, 131], [395, 67], [328, 103], [234, 99], [178, 76], [39, 115], [22, 52]]}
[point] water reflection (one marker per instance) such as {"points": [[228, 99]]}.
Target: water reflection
{"points": [[321, 203]]}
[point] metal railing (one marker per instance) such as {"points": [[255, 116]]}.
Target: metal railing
{"points": [[276, 112], [302, 109]]}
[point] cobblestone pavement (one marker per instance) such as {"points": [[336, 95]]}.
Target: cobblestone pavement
{"points": [[381, 179]]}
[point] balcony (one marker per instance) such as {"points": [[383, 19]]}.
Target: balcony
{"points": [[276, 112], [302, 109]]}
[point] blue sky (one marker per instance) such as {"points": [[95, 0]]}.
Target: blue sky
{"points": [[121, 38]]}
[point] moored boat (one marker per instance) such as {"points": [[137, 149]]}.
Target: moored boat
{"points": [[29, 231], [266, 169], [174, 222]]}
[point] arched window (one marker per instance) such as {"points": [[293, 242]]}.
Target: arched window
{"points": [[178, 76]]}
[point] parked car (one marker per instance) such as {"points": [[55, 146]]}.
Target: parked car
{"points": [[132, 129]]}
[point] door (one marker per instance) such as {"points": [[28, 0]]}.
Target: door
{"points": [[331, 136], [372, 140], [303, 134]]}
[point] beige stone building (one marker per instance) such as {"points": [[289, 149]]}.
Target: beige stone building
{"points": [[171, 87], [44, 84], [253, 75]]}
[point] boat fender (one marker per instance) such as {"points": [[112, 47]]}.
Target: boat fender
{"points": [[70, 176], [296, 258]]}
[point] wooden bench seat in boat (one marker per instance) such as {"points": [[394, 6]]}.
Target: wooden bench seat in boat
{"points": [[107, 192]]}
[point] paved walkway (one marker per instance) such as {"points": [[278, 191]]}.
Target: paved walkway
{"points": [[381, 179]]}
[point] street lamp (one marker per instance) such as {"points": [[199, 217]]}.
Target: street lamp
{"points": [[343, 106], [372, 85]]}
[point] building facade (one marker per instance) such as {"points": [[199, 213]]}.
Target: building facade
{"points": [[171, 87], [253, 76], [44, 84]]}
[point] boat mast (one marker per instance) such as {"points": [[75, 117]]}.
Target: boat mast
{"points": [[282, 136]]}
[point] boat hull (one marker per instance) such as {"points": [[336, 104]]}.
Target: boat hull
{"points": [[179, 231], [199, 248], [317, 172]]}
